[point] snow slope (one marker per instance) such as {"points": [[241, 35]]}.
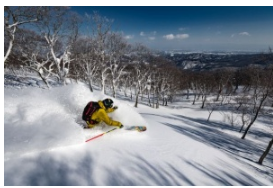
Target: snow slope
{"points": [[45, 146]]}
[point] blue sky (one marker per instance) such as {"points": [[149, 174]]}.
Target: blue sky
{"points": [[208, 28]]}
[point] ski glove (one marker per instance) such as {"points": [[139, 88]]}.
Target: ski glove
{"points": [[115, 107], [121, 126]]}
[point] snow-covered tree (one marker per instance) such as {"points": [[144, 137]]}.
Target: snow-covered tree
{"points": [[129, 80], [15, 16], [56, 26], [40, 66], [168, 82], [32, 51], [116, 48], [142, 73], [149, 87], [87, 59], [141, 69], [100, 27]]}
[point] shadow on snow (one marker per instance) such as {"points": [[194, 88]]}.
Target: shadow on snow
{"points": [[212, 133]]}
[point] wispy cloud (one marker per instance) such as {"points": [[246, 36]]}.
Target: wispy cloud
{"points": [[241, 34], [178, 36], [128, 37], [182, 36], [151, 38], [169, 37], [244, 33], [143, 34]]}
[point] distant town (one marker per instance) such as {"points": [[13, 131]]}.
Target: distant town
{"points": [[202, 60]]}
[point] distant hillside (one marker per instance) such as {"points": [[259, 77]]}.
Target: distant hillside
{"points": [[211, 61]]}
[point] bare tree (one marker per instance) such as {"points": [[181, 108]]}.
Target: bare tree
{"points": [[116, 48], [14, 17], [91, 49], [130, 79], [58, 25], [149, 87], [245, 117], [222, 79], [266, 152], [270, 92], [194, 86], [211, 107], [260, 94], [100, 27], [243, 101], [141, 78], [86, 58], [31, 50], [206, 86], [231, 117], [140, 55], [40, 66]]}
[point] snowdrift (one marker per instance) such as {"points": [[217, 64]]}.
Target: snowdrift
{"points": [[46, 119], [45, 145]]}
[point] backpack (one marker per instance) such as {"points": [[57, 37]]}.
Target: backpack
{"points": [[88, 111]]}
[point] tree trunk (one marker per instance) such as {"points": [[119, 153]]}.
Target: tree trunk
{"points": [[9, 49], [241, 128], [154, 99], [44, 80], [256, 115], [90, 85], [11, 42], [240, 104], [136, 99], [209, 116], [248, 127], [193, 102], [157, 100], [149, 99], [266, 152], [131, 93], [204, 100], [236, 86], [114, 88], [188, 93], [218, 94], [102, 85]]}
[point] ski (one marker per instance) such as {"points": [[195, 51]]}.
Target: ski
{"points": [[100, 135], [127, 128], [137, 128]]}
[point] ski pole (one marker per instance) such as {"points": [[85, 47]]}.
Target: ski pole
{"points": [[100, 135]]}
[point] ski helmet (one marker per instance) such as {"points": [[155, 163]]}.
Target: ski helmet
{"points": [[108, 103]]}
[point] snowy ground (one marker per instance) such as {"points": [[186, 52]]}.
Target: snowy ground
{"points": [[43, 144]]}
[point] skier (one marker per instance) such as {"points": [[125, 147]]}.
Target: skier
{"points": [[96, 112]]}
